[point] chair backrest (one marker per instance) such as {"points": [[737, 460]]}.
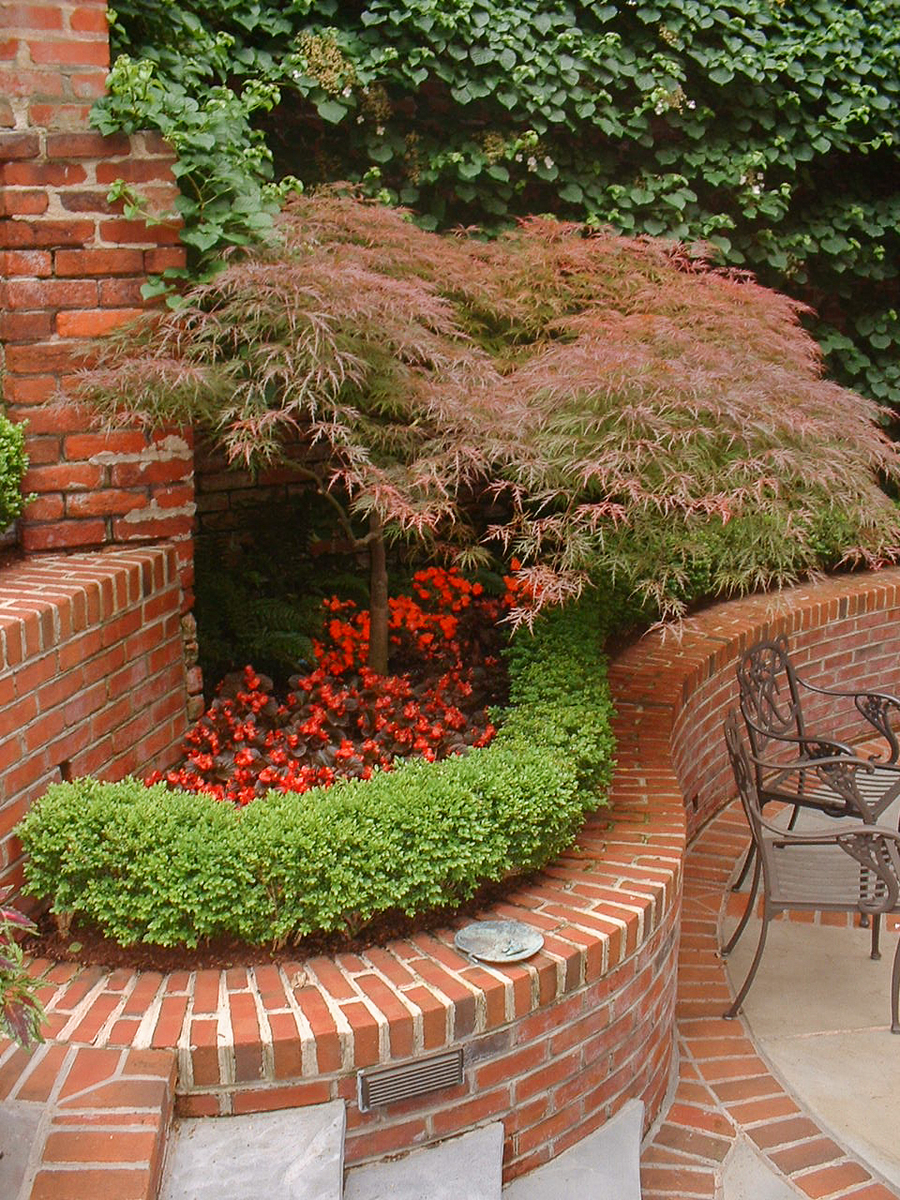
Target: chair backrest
{"points": [[769, 694], [744, 775]]}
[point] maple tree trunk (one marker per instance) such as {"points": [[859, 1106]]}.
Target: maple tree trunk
{"points": [[378, 599]]}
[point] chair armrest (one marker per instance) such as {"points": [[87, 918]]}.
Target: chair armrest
{"points": [[838, 774], [873, 706], [820, 746]]}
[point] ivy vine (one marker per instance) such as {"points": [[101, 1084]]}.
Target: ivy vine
{"points": [[767, 128]]}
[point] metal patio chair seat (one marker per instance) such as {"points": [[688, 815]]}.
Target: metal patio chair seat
{"points": [[818, 870], [771, 704]]}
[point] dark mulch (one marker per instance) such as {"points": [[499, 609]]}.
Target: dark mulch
{"points": [[85, 945]]}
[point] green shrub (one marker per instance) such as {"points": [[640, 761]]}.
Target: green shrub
{"points": [[13, 462], [147, 864]]}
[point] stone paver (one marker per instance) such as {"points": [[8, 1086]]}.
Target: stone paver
{"points": [[295, 1154], [468, 1166]]}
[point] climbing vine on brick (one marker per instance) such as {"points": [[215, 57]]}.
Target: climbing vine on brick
{"points": [[767, 127]]}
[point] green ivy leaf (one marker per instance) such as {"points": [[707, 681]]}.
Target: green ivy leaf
{"points": [[331, 111]]}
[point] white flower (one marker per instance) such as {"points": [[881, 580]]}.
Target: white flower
{"points": [[532, 163], [692, 103], [518, 158], [348, 91], [548, 162], [379, 129]]}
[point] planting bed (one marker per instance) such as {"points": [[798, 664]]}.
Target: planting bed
{"points": [[551, 1046]]}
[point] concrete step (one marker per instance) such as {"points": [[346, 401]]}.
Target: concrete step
{"points": [[463, 1168], [605, 1165], [293, 1154]]}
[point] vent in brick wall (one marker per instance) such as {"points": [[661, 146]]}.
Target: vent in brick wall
{"points": [[386, 1085]]}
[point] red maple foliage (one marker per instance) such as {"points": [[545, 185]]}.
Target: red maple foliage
{"points": [[596, 405]]}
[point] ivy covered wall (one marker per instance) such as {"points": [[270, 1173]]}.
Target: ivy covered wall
{"points": [[767, 128]]}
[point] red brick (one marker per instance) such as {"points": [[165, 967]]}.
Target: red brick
{"points": [[89, 20], [52, 175], [104, 502], [18, 145], [135, 170], [33, 16], [25, 263], [127, 232], [87, 1184], [832, 1179], [21, 327], [99, 1146], [23, 202], [71, 53], [99, 262], [455, 1118], [63, 534], [295, 1095], [86, 145], [41, 1079], [204, 1053], [94, 323], [92, 1066]]}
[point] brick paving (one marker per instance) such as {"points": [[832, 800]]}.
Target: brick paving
{"points": [[105, 1117]]}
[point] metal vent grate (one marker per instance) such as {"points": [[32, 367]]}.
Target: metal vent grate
{"points": [[386, 1085]]}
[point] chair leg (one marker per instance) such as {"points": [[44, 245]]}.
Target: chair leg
{"points": [[745, 867], [876, 936], [895, 989], [745, 986], [745, 916]]}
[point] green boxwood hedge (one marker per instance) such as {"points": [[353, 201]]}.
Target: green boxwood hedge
{"points": [[172, 868], [13, 463]]}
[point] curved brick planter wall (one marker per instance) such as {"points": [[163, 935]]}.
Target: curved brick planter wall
{"points": [[553, 1046], [92, 677]]}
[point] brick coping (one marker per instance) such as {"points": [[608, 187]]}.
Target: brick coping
{"points": [[266, 1038]]}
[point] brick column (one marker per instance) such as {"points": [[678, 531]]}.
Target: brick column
{"points": [[71, 268]]}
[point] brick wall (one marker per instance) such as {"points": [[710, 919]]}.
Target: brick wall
{"points": [[842, 633], [71, 268], [92, 677], [230, 501]]}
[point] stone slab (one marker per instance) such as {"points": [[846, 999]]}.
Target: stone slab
{"points": [[747, 1176], [819, 1012], [19, 1135], [606, 1165], [293, 1154], [463, 1168]]}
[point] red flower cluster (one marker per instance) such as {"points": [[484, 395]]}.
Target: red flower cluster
{"points": [[343, 720]]}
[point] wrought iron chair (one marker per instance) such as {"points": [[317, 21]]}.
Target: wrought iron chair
{"points": [[771, 704], [818, 870]]}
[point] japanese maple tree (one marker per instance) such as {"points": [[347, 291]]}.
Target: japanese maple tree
{"points": [[595, 405]]}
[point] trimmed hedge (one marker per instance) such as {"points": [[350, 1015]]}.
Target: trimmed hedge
{"points": [[13, 464], [147, 864]]}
